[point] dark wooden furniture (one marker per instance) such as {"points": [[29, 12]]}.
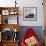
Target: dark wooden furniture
{"points": [[0, 43], [10, 43], [5, 12]]}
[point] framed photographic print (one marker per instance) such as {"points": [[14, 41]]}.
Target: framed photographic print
{"points": [[5, 12], [13, 12], [30, 13]]}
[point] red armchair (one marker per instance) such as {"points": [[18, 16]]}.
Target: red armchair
{"points": [[28, 34]]}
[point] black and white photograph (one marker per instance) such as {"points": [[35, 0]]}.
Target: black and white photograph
{"points": [[30, 13]]}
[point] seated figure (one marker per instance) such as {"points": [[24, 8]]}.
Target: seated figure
{"points": [[30, 38]]}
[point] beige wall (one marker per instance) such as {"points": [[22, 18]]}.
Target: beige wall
{"points": [[44, 4]]}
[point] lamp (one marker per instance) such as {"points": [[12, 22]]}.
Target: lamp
{"points": [[15, 3]]}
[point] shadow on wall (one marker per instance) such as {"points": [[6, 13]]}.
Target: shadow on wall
{"points": [[37, 29]]}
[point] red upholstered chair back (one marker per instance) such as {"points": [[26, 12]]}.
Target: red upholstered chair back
{"points": [[29, 33]]}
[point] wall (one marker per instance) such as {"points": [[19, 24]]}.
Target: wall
{"points": [[38, 5], [44, 12], [27, 3]]}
